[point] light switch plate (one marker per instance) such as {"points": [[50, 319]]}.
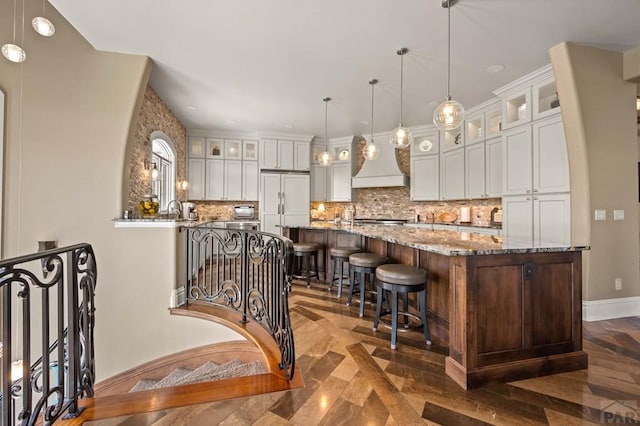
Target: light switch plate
{"points": [[618, 215], [601, 215]]}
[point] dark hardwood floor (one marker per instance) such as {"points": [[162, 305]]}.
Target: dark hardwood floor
{"points": [[352, 377]]}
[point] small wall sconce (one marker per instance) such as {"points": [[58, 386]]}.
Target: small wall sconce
{"points": [[154, 169], [184, 185]]}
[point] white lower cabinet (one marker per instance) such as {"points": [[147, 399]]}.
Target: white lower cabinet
{"points": [[452, 175], [544, 220], [284, 200], [425, 178]]}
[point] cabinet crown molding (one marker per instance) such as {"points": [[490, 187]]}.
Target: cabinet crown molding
{"points": [[525, 81]]}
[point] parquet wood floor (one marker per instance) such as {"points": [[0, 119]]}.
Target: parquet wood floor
{"points": [[352, 377]]}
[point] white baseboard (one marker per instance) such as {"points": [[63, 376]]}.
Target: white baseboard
{"points": [[178, 297], [596, 310]]}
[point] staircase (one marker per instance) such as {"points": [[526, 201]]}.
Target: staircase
{"points": [[207, 372]]}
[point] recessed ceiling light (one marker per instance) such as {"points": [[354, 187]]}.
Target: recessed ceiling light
{"points": [[288, 126], [231, 122], [495, 68], [364, 122], [191, 108]]}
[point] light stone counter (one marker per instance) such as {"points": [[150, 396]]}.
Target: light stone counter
{"points": [[448, 243]]}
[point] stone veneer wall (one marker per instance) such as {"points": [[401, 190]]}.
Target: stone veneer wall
{"points": [[154, 116], [395, 202]]}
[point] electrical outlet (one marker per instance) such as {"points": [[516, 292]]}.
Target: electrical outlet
{"points": [[618, 283], [600, 215], [618, 215]]}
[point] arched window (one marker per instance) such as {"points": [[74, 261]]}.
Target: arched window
{"points": [[163, 156]]}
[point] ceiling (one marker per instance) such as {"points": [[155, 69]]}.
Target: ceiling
{"points": [[264, 66]]}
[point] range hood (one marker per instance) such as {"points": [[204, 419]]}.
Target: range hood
{"points": [[383, 171]]}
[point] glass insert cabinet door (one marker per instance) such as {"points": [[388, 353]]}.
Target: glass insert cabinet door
{"points": [[232, 149], [249, 150], [215, 148]]}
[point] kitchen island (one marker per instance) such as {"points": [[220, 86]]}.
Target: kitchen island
{"points": [[506, 311]]}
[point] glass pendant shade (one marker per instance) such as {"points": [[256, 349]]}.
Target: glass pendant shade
{"points": [[448, 115], [370, 151], [13, 52], [325, 158], [401, 137], [43, 26]]}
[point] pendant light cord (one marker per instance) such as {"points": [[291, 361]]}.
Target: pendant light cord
{"points": [[15, 2], [449, 52], [401, 82], [372, 84], [326, 108]]}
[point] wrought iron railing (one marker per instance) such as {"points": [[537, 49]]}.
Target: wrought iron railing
{"points": [[247, 272], [52, 294]]}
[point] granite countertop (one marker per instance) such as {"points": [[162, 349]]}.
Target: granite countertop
{"points": [[448, 243]]}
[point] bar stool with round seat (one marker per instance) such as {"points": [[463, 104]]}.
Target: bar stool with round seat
{"points": [[303, 252], [363, 263], [403, 279], [340, 255]]}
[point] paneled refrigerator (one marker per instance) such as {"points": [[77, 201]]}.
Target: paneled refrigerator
{"points": [[284, 200]]}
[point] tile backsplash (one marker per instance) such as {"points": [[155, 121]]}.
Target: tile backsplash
{"points": [[222, 210], [395, 203]]}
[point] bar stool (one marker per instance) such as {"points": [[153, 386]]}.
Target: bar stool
{"points": [[403, 279], [303, 253], [363, 263], [340, 255]]}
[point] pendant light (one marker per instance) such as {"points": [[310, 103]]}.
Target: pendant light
{"points": [[42, 25], [401, 137], [449, 114], [325, 157], [12, 51], [370, 150]]}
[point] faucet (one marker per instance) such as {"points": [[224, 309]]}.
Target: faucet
{"points": [[178, 209]]}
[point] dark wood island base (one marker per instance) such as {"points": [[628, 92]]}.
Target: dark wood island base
{"points": [[505, 314]]}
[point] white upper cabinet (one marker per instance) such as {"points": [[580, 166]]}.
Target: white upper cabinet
{"points": [[196, 177], [452, 139], [452, 175], [197, 147], [493, 121], [550, 161], [318, 183], [250, 150], [426, 143], [340, 182], [215, 148], [233, 180], [425, 178], [301, 155], [475, 128], [545, 99], [517, 161], [232, 149], [516, 108], [493, 167], [215, 180], [284, 154], [475, 167], [269, 154], [250, 181]]}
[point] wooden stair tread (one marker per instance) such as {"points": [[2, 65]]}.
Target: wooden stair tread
{"points": [[179, 396]]}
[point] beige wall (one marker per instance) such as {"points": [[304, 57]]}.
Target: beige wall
{"points": [[65, 152], [598, 108]]}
